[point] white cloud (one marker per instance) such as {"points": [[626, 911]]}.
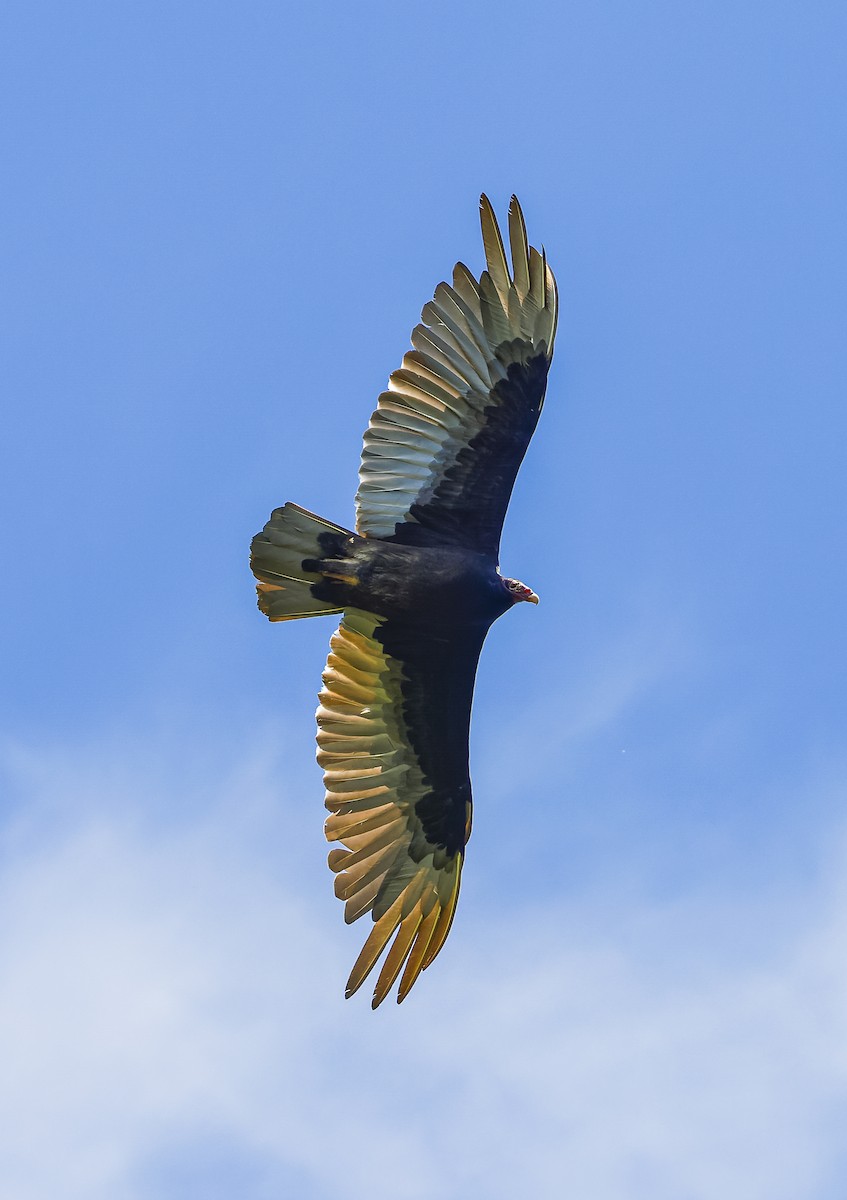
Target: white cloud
{"points": [[178, 984]]}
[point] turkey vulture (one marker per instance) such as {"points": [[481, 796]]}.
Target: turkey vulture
{"points": [[417, 586]]}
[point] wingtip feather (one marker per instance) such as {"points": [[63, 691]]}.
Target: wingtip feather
{"points": [[445, 920], [495, 253], [520, 248], [374, 945], [397, 955], [414, 963]]}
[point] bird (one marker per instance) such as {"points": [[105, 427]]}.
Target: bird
{"points": [[417, 586]]}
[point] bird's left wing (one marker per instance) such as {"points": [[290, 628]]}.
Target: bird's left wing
{"points": [[393, 742], [444, 446]]}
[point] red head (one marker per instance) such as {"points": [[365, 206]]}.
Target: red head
{"points": [[519, 591]]}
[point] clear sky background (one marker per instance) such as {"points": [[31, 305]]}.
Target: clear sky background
{"points": [[220, 222]]}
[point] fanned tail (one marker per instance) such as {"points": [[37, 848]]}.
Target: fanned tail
{"points": [[291, 537]]}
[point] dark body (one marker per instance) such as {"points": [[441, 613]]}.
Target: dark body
{"points": [[441, 588]]}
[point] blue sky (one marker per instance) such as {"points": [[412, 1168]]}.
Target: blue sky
{"points": [[220, 224]]}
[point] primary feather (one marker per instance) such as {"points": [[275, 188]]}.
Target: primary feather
{"points": [[418, 588]]}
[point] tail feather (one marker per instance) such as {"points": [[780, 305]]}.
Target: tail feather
{"points": [[292, 535]]}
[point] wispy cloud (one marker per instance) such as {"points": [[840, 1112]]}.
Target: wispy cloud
{"points": [[585, 691], [177, 984]]}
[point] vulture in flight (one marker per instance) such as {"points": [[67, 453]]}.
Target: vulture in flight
{"points": [[417, 586]]}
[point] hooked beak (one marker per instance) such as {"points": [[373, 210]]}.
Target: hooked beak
{"points": [[532, 598]]}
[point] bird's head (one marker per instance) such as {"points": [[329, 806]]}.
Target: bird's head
{"points": [[519, 591]]}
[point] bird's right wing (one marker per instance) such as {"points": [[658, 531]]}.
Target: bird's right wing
{"points": [[444, 446], [393, 742]]}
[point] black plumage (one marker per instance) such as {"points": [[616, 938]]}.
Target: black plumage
{"points": [[418, 588]]}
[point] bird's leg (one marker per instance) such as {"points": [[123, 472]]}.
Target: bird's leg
{"points": [[337, 570]]}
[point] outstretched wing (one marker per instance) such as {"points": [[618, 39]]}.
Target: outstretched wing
{"points": [[445, 443], [393, 742]]}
